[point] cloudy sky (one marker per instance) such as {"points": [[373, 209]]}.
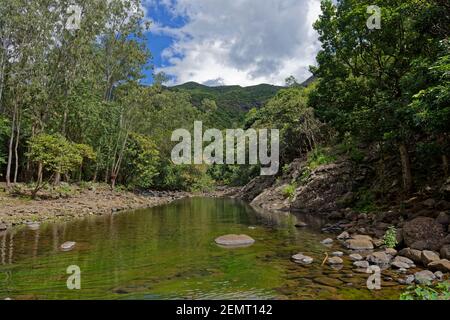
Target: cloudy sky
{"points": [[242, 42]]}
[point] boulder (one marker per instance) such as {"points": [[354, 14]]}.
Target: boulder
{"points": [[379, 258], [359, 244], [423, 233], [355, 257], [440, 265], [300, 258], [233, 240], [443, 218], [362, 237], [335, 260], [390, 251], [405, 260], [429, 256], [429, 203], [413, 254], [445, 251], [67, 246], [424, 277]]}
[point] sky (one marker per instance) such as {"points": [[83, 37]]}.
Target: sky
{"points": [[232, 42]]}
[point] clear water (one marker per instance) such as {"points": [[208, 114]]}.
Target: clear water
{"points": [[168, 252]]}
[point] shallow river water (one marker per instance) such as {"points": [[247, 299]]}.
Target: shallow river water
{"points": [[168, 252]]}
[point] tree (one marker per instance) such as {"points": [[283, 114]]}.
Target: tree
{"points": [[365, 75]]}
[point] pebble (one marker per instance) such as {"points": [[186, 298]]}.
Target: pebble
{"points": [[337, 254], [327, 241], [300, 258], [361, 264]]}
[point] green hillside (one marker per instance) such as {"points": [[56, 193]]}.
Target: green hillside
{"points": [[232, 101]]}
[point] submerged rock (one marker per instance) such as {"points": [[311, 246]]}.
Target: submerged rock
{"points": [[67, 246], [234, 240], [301, 224]]}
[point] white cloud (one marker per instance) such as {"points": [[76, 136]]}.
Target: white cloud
{"points": [[242, 42]]}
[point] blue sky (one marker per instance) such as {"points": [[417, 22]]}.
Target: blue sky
{"points": [[244, 42]]}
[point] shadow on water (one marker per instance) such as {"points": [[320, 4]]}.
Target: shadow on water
{"points": [[168, 252]]}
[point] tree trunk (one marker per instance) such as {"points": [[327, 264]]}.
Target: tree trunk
{"points": [[16, 152], [10, 149], [57, 180], [406, 168], [445, 164]]}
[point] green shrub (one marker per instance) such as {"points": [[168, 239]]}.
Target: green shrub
{"points": [[365, 201], [439, 292], [289, 191], [319, 157], [390, 237]]}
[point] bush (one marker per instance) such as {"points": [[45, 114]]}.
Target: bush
{"points": [[439, 292], [390, 237], [319, 157], [289, 191]]}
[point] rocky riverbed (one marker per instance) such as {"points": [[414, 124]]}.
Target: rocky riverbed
{"points": [[81, 202]]}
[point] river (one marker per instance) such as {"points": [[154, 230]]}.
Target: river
{"points": [[168, 252]]}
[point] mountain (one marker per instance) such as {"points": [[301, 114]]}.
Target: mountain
{"points": [[232, 101]]}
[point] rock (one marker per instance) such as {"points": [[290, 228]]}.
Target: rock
{"points": [[233, 240], [413, 254], [301, 224], [404, 260], [390, 251], [359, 244], [300, 258], [430, 203], [67, 246], [362, 237], [335, 260], [400, 265], [443, 218], [3, 227], [408, 280], [439, 275], [337, 254], [445, 251], [327, 241], [424, 277], [379, 258], [361, 264], [33, 226], [402, 270], [343, 236], [423, 233], [440, 265], [429, 256], [355, 257]]}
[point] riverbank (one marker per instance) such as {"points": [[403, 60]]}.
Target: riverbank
{"points": [[71, 201]]}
